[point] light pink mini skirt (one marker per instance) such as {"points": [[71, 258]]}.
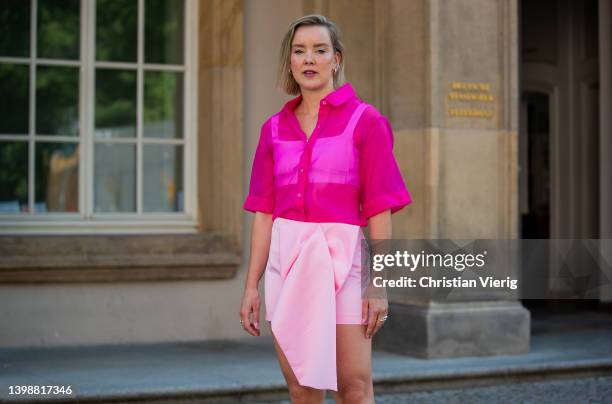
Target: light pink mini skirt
{"points": [[312, 283]]}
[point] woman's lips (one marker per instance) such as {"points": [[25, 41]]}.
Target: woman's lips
{"points": [[309, 74]]}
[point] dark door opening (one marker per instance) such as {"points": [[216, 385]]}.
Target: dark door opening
{"points": [[535, 220], [559, 82]]}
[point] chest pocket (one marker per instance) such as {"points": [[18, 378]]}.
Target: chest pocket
{"points": [[287, 155], [334, 159]]}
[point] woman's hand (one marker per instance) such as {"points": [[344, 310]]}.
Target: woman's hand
{"points": [[374, 310], [250, 305], [261, 234]]}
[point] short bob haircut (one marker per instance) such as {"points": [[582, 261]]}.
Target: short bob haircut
{"points": [[285, 80]]}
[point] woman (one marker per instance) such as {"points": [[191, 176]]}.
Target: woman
{"points": [[323, 169]]}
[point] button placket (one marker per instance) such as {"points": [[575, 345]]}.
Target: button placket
{"points": [[302, 177], [305, 161]]}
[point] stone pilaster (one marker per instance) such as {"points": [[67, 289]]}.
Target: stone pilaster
{"points": [[451, 92]]}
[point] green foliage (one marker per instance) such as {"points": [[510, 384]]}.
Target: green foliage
{"points": [[14, 171]]}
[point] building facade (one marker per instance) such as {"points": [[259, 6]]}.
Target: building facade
{"points": [[129, 135]]}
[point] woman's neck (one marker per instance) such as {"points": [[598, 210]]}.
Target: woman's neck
{"points": [[311, 100]]}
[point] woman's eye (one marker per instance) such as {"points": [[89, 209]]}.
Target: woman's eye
{"points": [[320, 51]]}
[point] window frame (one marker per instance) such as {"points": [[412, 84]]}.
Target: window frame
{"points": [[87, 221], [216, 251]]}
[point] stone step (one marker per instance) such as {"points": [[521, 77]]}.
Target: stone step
{"points": [[246, 371]]}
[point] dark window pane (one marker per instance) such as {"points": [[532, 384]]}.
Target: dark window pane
{"points": [[163, 105], [164, 28], [115, 178], [57, 100], [58, 29], [14, 102], [115, 103], [57, 177], [15, 28], [162, 178], [116, 30], [13, 177]]}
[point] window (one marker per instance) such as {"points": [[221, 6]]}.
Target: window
{"points": [[49, 246], [96, 116]]}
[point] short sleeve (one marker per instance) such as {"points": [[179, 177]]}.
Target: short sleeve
{"points": [[381, 184], [261, 186]]}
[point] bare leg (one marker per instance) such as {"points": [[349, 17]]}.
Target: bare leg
{"points": [[299, 394], [354, 359]]}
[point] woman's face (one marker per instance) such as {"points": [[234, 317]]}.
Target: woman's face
{"points": [[311, 51]]}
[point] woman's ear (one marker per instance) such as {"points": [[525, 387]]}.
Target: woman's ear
{"points": [[338, 59]]}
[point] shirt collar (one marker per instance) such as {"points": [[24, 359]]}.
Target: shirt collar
{"points": [[336, 98]]}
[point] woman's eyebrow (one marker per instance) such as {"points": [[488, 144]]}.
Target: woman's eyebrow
{"points": [[299, 45]]}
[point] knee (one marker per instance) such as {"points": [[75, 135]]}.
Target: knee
{"points": [[356, 390]]}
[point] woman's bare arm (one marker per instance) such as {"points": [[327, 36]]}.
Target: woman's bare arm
{"points": [[373, 308], [380, 225], [258, 257], [260, 246]]}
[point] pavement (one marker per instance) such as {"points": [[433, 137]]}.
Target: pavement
{"points": [[569, 363], [566, 391]]}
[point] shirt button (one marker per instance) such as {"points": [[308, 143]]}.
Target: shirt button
{"points": [[299, 194], [301, 170], [324, 102]]}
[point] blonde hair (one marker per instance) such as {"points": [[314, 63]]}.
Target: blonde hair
{"points": [[285, 80]]}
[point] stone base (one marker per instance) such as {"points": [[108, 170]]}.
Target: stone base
{"points": [[445, 330]]}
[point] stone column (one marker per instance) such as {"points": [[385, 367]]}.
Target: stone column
{"points": [[460, 159]]}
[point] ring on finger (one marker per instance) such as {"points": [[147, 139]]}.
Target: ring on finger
{"points": [[384, 318]]}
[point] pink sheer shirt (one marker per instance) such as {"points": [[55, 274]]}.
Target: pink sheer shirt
{"points": [[344, 172]]}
